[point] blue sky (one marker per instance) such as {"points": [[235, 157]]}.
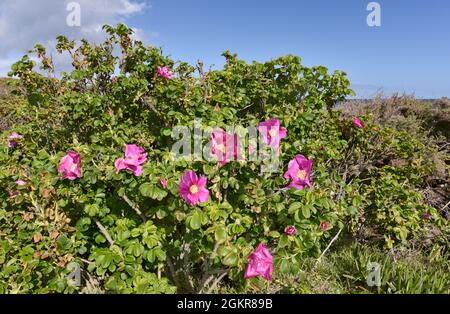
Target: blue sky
{"points": [[410, 52]]}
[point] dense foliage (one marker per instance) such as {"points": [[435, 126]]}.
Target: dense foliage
{"points": [[133, 233]]}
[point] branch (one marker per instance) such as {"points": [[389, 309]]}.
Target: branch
{"points": [[329, 245], [173, 272], [156, 111], [135, 208], [216, 282], [36, 205], [211, 257], [204, 82], [207, 274], [104, 232], [85, 260], [185, 258], [246, 107]]}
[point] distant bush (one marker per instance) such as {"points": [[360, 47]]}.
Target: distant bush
{"points": [[423, 121], [421, 118], [11, 106]]}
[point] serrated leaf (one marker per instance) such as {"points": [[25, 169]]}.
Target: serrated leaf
{"points": [[306, 212], [294, 207], [230, 259], [195, 221], [220, 234]]}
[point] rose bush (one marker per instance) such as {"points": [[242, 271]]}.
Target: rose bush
{"points": [[142, 221]]}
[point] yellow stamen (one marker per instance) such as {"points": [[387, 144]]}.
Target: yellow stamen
{"points": [[221, 147], [73, 167], [273, 132], [193, 189], [301, 174]]}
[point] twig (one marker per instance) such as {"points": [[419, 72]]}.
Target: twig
{"points": [[204, 284], [36, 205], [185, 258], [344, 179], [84, 260], [104, 232], [207, 275], [329, 245], [216, 282], [173, 272], [210, 276], [211, 257], [445, 206], [246, 107], [156, 111], [204, 81], [137, 210]]}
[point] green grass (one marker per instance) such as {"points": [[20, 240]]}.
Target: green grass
{"points": [[344, 270], [401, 272]]}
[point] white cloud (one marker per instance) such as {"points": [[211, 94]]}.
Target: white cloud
{"points": [[24, 23]]}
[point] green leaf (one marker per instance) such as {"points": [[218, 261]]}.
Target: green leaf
{"points": [[152, 191], [284, 241], [63, 243], [306, 211], [294, 207], [274, 234], [195, 221], [100, 239], [146, 189], [284, 266], [230, 259], [220, 234], [150, 256], [160, 254]]}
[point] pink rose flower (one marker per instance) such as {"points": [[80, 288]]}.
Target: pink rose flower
{"points": [[113, 79], [290, 231], [111, 113], [260, 263], [70, 166], [164, 72], [299, 172], [193, 189], [358, 123], [11, 139], [224, 146], [133, 161], [324, 225], [163, 182], [20, 182], [272, 132]]}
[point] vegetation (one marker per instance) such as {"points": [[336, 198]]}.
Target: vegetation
{"points": [[121, 219]]}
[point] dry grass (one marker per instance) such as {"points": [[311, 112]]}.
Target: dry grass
{"points": [[404, 112], [426, 120]]}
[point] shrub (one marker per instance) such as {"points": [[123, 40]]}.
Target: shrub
{"points": [[118, 214]]}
